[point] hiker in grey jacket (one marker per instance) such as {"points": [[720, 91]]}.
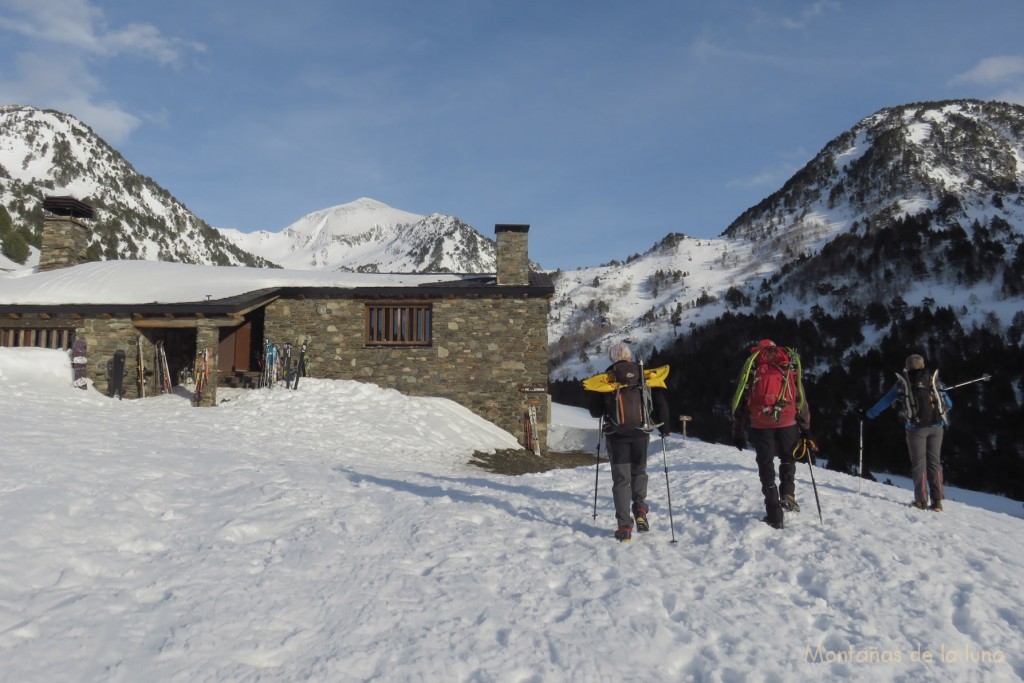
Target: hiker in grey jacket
{"points": [[923, 404]]}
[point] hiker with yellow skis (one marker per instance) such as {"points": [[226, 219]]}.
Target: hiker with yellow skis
{"points": [[630, 408]]}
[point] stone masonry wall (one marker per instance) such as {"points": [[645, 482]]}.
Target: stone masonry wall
{"points": [[484, 351], [103, 337], [64, 243], [513, 264], [207, 336]]}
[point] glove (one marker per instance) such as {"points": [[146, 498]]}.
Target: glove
{"points": [[664, 432], [804, 446], [739, 429]]}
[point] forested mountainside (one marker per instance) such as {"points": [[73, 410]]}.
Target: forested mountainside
{"points": [[904, 234]]}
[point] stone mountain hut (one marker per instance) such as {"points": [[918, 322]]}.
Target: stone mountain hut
{"points": [[477, 339]]}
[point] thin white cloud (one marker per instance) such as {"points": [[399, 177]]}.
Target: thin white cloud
{"points": [[59, 22], [1013, 95], [994, 71], [1004, 73], [767, 178], [810, 13], [79, 25], [65, 39], [706, 50], [774, 175], [65, 84]]}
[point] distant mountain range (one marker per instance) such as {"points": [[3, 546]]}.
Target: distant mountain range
{"points": [[921, 203], [46, 153], [368, 236], [924, 202]]}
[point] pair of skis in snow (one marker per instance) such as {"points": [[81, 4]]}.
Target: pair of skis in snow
{"points": [[294, 368], [279, 363], [530, 430], [163, 373], [201, 376], [79, 364]]}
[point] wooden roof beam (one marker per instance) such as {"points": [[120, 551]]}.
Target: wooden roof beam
{"points": [[175, 323]]}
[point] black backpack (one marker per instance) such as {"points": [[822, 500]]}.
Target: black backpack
{"points": [[629, 406], [922, 403]]}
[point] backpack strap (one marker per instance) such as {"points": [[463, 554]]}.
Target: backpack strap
{"points": [[801, 398], [781, 398], [741, 382], [940, 398]]}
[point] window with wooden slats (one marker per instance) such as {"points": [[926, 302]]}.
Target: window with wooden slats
{"points": [[46, 338], [398, 324]]}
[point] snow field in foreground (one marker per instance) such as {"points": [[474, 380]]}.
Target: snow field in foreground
{"points": [[335, 533]]}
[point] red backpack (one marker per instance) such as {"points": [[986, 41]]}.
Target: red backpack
{"points": [[775, 393]]}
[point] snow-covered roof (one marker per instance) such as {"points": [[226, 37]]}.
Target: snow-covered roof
{"points": [[159, 282]]}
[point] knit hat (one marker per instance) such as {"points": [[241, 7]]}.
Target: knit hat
{"points": [[619, 352], [915, 362], [763, 344]]}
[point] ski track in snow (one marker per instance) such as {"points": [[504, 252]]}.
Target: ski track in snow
{"points": [[335, 533]]}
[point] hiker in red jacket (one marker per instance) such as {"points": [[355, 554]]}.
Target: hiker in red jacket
{"points": [[774, 416]]}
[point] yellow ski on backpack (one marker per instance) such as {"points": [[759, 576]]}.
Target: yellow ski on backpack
{"points": [[605, 382]]}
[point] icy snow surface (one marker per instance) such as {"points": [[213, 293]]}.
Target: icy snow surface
{"points": [[335, 533]]}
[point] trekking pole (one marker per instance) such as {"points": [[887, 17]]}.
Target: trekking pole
{"points": [[860, 465], [814, 485], [597, 465], [811, 449], [668, 490], [984, 378]]}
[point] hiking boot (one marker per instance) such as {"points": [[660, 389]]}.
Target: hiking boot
{"points": [[624, 534], [774, 518], [640, 515], [920, 505], [789, 504], [937, 506]]}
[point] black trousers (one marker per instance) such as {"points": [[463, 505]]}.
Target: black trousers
{"points": [[628, 457], [770, 444]]}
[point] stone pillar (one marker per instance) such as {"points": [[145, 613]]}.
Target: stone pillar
{"points": [[512, 255], [65, 240], [208, 337]]}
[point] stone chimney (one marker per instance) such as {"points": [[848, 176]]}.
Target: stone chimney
{"points": [[513, 258], [65, 235]]}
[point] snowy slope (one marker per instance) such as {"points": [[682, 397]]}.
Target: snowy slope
{"points": [[681, 272], [47, 153], [959, 162], [301, 535]]}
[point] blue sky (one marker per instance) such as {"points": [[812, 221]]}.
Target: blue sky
{"points": [[603, 124]]}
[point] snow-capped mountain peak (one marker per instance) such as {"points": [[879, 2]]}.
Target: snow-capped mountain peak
{"points": [[368, 235], [48, 153]]}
